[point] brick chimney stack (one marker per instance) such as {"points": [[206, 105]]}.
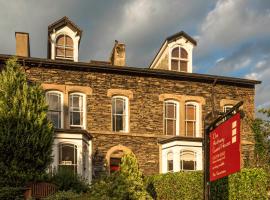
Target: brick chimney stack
{"points": [[22, 44], [118, 56]]}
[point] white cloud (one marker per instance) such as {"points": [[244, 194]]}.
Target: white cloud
{"points": [[231, 23]]}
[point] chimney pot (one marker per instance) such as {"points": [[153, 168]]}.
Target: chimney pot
{"points": [[22, 44]]}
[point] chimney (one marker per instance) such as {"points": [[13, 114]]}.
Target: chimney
{"points": [[22, 44], [118, 55]]}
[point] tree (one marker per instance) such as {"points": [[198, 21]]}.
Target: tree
{"points": [[26, 136], [130, 184], [125, 184], [261, 130]]}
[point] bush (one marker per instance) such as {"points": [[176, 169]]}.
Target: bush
{"points": [[11, 193], [125, 184], [178, 185], [64, 195], [248, 184], [66, 180]]}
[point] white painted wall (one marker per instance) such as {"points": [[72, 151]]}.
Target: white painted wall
{"points": [[176, 147], [79, 140]]}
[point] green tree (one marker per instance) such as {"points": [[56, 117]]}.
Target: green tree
{"points": [[130, 184], [26, 136], [261, 130], [125, 184]]}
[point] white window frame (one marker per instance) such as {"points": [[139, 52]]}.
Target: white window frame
{"points": [[179, 58], [75, 152], [83, 126], [64, 47], [62, 105], [227, 106], [177, 116], [198, 117], [183, 151], [126, 113]]}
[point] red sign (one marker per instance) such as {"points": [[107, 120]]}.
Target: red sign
{"points": [[225, 148]]}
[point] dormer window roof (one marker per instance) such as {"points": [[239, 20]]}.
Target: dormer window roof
{"points": [[64, 39]]}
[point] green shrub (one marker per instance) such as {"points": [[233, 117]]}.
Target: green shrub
{"points": [[66, 180], [179, 185], [248, 184], [126, 184], [64, 195], [11, 193]]}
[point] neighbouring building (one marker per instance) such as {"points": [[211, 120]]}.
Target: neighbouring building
{"points": [[101, 109]]}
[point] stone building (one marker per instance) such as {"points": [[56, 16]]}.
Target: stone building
{"points": [[102, 109]]}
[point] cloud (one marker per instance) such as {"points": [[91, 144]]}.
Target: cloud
{"points": [[232, 23]]}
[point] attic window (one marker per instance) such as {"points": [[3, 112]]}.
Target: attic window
{"points": [[179, 59], [64, 47]]}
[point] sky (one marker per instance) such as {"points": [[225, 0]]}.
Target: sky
{"points": [[233, 36]]}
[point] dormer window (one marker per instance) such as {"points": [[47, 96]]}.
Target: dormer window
{"points": [[179, 59], [64, 47], [64, 39]]}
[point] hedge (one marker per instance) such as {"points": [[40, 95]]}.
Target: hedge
{"points": [[249, 184], [12, 193], [176, 186]]}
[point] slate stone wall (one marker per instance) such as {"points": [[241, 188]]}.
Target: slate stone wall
{"points": [[146, 111]]}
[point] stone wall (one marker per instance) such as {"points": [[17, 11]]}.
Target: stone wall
{"points": [[146, 110]]}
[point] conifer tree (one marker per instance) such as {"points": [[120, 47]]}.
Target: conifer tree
{"points": [[26, 136], [129, 184]]}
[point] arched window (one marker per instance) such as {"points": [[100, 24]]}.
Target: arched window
{"points": [[179, 59], [170, 162], [68, 156], [55, 108], [171, 117], [191, 119], [120, 114], [188, 160], [64, 47], [77, 110]]}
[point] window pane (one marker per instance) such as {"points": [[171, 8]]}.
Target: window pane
{"points": [[170, 110], [119, 123], [60, 40], [188, 161], [171, 127], [175, 52], [183, 66], [174, 65], [190, 128], [190, 112], [69, 42], [119, 106], [76, 118], [184, 53], [69, 154], [55, 118], [59, 52], [69, 53], [170, 161], [54, 101]]}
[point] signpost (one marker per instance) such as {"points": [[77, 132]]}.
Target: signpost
{"points": [[225, 148], [222, 147]]}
